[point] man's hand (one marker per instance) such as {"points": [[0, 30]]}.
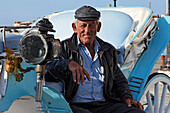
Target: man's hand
{"points": [[78, 72], [137, 104]]}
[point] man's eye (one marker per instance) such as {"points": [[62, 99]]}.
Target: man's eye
{"points": [[92, 25]]}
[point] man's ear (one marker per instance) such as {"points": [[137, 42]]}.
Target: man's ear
{"points": [[98, 27], [74, 27]]}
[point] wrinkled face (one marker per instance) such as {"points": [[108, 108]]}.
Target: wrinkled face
{"points": [[86, 31]]}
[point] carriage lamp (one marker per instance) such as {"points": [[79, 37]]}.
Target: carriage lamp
{"points": [[37, 48], [33, 48]]}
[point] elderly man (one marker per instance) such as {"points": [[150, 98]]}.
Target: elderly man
{"points": [[87, 68]]}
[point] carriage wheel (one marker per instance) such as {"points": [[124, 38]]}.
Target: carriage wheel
{"points": [[156, 94]]}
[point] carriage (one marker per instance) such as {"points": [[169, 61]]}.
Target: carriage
{"points": [[139, 37]]}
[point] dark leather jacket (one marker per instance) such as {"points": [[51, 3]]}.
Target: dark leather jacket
{"points": [[115, 84]]}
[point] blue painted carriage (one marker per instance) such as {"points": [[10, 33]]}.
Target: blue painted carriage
{"points": [[139, 37]]}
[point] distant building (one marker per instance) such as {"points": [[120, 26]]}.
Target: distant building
{"points": [[22, 23]]}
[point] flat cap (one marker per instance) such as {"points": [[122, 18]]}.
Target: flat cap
{"points": [[87, 13]]}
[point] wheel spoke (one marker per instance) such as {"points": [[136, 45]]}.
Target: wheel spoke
{"points": [[149, 102], [156, 98], [163, 98], [168, 108]]}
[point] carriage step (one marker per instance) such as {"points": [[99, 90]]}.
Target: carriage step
{"points": [[135, 83]]}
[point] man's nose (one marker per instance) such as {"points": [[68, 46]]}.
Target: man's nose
{"points": [[87, 28]]}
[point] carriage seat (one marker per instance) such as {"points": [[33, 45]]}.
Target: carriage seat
{"points": [[115, 28]]}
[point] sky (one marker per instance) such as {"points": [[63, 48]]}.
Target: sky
{"points": [[26, 10]]}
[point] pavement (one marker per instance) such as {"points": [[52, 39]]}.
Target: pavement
{"points": [[156, 68]]}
